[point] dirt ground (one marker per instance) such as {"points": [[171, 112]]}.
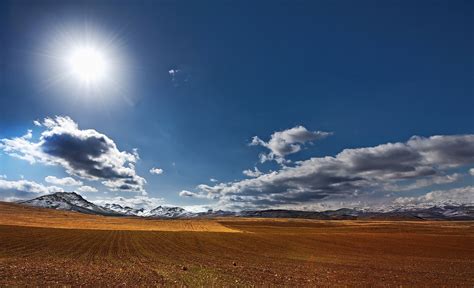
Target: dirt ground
{"points": [[92, 251], [20, 215]]}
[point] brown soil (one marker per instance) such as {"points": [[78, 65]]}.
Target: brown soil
{"points": [[106, 251], [20, 215]]}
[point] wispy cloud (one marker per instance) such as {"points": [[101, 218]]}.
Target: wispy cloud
{"points": [[87, 189], [66, 181], [186, 193], [252, 173], [179, 76]]}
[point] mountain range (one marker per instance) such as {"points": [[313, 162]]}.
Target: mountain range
{"points": [[160, 211], [74, 202]]}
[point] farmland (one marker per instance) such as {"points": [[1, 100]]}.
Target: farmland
{"points": [[56, 248]]}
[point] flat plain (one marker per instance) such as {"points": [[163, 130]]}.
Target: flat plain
{"points": [[43, 247]]}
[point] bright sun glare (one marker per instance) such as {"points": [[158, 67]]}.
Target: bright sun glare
{"points": [[81, 61], [88, 64]]}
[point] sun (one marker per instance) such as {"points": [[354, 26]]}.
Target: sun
{"points": [[88, 64], [84, 62]]}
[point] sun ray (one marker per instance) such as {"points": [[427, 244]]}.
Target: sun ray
{"points": [[81, 61]]}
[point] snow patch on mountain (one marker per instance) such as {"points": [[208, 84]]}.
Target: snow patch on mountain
{"points": [[68, 201], [158, 212], [74, 202], [125, 210]]}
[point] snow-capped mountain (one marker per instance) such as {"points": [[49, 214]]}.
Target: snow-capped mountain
{"points": [[437, 212], [158, 212], [74, 202], [68, 201], [445, 212], [169, 212], [125, 210]]}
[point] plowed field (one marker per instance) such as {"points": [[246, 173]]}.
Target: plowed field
{"points": [[85, 250]]}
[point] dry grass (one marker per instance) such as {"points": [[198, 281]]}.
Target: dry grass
{"points": [[268, 253]]}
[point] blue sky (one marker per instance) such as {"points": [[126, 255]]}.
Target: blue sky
{"points": [[194, 82]]}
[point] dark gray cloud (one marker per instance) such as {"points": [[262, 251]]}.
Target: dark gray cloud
{"points": [[444, 150], [87, 154], [419, 162]]}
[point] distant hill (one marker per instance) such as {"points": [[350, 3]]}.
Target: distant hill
{"points": [[74, 202], [70, 201], [158, 212], [448, 212]]}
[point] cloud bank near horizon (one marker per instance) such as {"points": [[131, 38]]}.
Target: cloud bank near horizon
{"points": [[376, 171], [380, 173]]}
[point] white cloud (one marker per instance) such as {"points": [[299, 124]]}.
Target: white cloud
{"points": [[28, 135], [458, 196], [252, 173], [156, 171], [66, 181], [196, 208], [213, 180], [24, 189], [37, 123], [87, 154], [87, 189], [136, 202], [3, 176], [173, 71], [287, 142], [179, 76], [471, 171], [351, 172], [186, 193]]}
